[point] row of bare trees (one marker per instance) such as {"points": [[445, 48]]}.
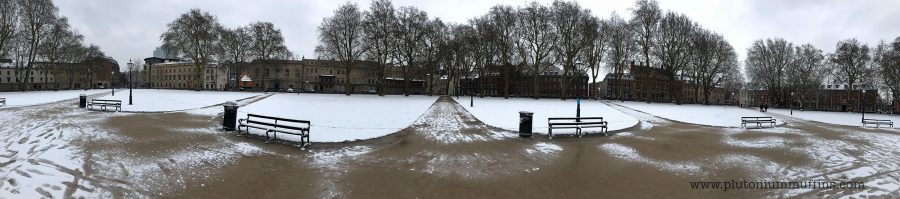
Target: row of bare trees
{"points": [[32, 31], [781, 67], [528, 40], [199, 37]]}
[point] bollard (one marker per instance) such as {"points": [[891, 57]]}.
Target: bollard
{"points": [[230, 118], [525, 119], [82, 101]]}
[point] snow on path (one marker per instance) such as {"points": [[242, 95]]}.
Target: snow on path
{"points": [[15, 99], [839, 118], [504, 113], [710, 115], [337, 118], [156, 100]]}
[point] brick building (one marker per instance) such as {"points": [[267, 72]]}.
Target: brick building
{"points": [[648, 84], [182, 75], [829, 97], [94, 73], [521, 84]]}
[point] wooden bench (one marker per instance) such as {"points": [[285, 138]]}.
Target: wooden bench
{"points": [[105, 103], [575, 123], [3, 100], [271, 125], [758, 120], [877, 122]]}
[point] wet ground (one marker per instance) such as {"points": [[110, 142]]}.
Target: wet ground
{"points": [[58, 151]]}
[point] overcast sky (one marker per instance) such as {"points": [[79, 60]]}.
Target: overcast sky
{"points": [[131, 29]]}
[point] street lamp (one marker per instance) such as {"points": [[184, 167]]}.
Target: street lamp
{"points": [[471, 93], [862, 108], [791, 103], [130, 84], [112, 76], [732, 98]]}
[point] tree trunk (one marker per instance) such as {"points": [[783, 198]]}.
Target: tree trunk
{"points": [[506, 70], [535, 84], [348, 84]]}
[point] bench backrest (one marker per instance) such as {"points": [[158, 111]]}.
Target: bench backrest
{"points": [[285, 122], [756, 118], [575, 118], [876, 120], [103, 100]]}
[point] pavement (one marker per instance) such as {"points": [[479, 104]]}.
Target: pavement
{"points": [[60, 151]]}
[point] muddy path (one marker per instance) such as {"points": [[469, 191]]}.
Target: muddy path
{"points": [[61, 151]]}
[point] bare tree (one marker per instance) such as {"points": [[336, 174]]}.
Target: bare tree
{"points": [[536, 40], [340, 36], [8, 26], [888, 60], [410, 32], [766, 63], [850, 62], [194, 34], [574, 25], [596, 51], [646, 18], [674, 43], [37, 17], [236, 50], [718, 61], [267, 41], [621, 46], [378, 29], [805, 73], [503, 20], [434, 40]]}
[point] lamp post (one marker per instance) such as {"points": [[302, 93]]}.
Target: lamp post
{"points": [[862, 108], [732, 98], [471, 93], [130, 84], [112, 76], [791, 103]]}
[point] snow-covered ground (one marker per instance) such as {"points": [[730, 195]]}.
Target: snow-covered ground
{"points": [[337, 118], [839, 118], [504, 113], [710, 115], [14, 99], [157, 100]]}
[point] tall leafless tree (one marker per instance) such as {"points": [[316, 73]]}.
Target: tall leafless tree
{"points": [[717, 62], [503, 20], [340, 37], [378, 29], [766, 63], [850, 62], [805, 73], [536, 41], [888, 61], [574, 25], [8, 26], [674, 43], [646, 18], [267, 41], [410, 32], [621, 47], [236, 47], [195, 35], [596, 52], [36, 18]]}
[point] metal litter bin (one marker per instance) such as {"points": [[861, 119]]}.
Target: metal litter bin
{"points": [[525, 123]]}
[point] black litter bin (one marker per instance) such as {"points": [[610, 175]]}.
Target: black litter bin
{"points": [[82, 101], [230, 119], [525, 120]]}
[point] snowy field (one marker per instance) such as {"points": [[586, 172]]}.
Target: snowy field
{"points": [[337, 118], [710, 115], [14, 99], [839, 118], [156, 100], [504, 113]]}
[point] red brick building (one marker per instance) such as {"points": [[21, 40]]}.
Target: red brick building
{"points": [[521, 84]]}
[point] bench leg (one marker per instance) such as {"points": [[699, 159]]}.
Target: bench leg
{"points": [[550, 132]]}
